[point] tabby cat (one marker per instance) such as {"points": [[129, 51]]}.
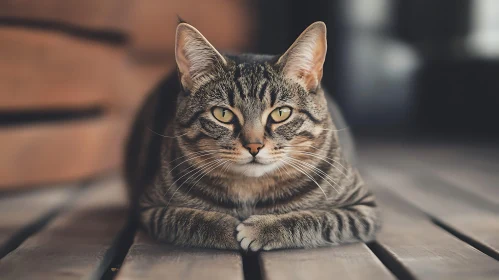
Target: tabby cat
{"points": [[248, 156]]}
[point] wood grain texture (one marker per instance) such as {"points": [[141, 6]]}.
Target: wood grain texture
{"points": [[45, 70], [424, 249], [148, 259], [61, 151], [20, 210], [354, 261], [466, 168], [74, 245], [470, 169], [485, 185], [465, 214], [91, 14]]}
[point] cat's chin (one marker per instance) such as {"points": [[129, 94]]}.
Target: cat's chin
{"points": [[253, 169]]}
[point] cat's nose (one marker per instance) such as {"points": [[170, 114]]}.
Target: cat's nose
{"points": [[253, 148]]}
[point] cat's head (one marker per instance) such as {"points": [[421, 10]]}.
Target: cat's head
{"points": [[247, 112]]}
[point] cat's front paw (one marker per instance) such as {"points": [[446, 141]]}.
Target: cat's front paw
{"points": [[259, 232]]}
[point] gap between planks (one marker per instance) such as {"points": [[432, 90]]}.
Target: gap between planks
{"points": [[77, 242], [22, 214], [422, 249], [466, 214]]}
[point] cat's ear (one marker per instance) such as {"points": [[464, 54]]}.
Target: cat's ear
{"points": [[304, 60], [196, 58]]}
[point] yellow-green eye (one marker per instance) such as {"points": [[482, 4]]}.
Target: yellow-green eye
{"points": [[280, 114], [222, 114]]}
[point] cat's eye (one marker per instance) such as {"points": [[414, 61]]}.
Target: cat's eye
{"points": [[222, 114], [280, 114]]}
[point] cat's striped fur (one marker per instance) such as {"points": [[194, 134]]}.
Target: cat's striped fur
{"points": [[193, 180]]}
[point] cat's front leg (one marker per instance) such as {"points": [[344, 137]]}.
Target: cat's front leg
{"points": [[310, 228], [191, 227]]}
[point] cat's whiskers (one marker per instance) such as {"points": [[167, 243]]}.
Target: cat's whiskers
{"points": [[194, 153], [306, 174], [319, 172], [204, 174], [285, 168], [319, 157], [322, 158], [225, 168], [336, 130], [194, 168], [280, 172], [198, 156], [198, 171], [166, 136]]}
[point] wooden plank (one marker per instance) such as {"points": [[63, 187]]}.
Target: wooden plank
{"points": [[25, 211], [228, 25], [148, 259], [75, 244], [482, 156], [61, 151], [354, 261], [464, 214], [45, 70], [483, 184], [462, 167], [92, 14], [425, 250]]}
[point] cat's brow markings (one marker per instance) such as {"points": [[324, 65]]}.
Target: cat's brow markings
{"points": [[310, 116], [263, 90], [230, 97], [273, 97], [193, 118], [237, 75]]}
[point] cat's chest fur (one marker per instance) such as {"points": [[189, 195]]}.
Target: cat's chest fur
{"points": [[252, 195]]}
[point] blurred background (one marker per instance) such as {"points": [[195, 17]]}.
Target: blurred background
{"points": [[73, 72]]}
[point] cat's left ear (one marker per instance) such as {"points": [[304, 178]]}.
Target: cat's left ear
{"points": [[196, 58], [304, 60]]}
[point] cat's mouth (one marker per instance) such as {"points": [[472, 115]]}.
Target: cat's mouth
{"points": [[253, 168], [255, 161]]}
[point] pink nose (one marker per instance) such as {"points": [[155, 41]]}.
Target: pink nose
{"points": [[254, 148]]}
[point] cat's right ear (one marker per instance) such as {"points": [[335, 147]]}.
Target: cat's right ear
{"points": [[196, 58], [303, 61]]}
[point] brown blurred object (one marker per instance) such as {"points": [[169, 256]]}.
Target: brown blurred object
{"points": [[90, 56], [90, 14], [44, 70], [227, 24]]}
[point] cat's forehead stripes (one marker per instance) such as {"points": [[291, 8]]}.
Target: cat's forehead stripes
{"points": [[253, 80]]}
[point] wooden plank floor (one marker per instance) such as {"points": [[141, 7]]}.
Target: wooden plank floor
{"points": [[424, 250], [354, 261], [22, 214], [440, 206], [75, 244], [148, 260]]}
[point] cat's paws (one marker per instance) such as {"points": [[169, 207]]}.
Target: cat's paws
{"points": [[248, 237], [258, 232]]}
